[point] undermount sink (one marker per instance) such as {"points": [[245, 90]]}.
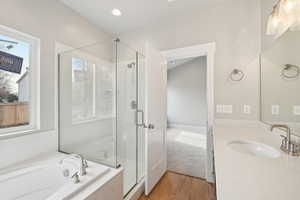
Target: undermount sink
{"points": [[254, 148]]}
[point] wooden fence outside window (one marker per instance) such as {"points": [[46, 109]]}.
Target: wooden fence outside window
{"points": [[14, 114]]}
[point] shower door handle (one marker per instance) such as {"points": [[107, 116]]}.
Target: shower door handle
{"points": [[151, 126], [143, 125]]}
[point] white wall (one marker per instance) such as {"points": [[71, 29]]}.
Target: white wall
{"points": [[236, 29], [277, 90], [187, 93], [50, 21]]}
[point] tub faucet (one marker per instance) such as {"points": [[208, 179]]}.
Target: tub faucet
{"points": [[75, 178], [287, 145], [83, 163]]}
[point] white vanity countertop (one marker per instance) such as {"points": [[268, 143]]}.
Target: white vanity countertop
{"points": [[245, 177]]}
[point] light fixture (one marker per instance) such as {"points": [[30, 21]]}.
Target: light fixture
{"points": [[274, 21], [288, 5], [116, 12], [285, 16]]}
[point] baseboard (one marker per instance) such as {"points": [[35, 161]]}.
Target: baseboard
{"points": [[137, 191], [188, 127]]}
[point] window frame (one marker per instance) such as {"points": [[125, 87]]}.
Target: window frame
{"points": [[34, 79]]}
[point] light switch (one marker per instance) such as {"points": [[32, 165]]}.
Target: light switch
{"points": [[247, 109], [275, 110], [227, 109], [219, 109], [296, 110]]}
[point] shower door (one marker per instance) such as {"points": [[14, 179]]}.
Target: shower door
{"points": [[129, 116]]}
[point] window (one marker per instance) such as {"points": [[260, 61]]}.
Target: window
{"points": [[82, 90], [92, 90], [19, 81]]}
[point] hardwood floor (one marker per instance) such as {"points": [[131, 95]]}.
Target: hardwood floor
{"points": [[180, 187]]}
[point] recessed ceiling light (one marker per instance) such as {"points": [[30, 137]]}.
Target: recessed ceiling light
{"points": [[171, 0], [116, 12]]}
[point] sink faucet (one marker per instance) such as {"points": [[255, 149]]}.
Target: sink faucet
{"points": [[83, 163], [287, 145]]}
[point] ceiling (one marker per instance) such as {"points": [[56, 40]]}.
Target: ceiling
{"points": [[136, 14]]}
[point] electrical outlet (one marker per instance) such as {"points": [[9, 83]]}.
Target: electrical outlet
{"points": [[219, 109], [275, 109], [224, 109], [227, 109], [296, 110], [247, 109]]}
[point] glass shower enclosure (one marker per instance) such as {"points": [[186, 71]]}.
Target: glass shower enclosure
{"points": [[101, 100]]}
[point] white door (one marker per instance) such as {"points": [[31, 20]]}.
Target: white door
{"points": [[156, 117]]}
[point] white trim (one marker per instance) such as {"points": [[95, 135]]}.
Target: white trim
{"points": [[137, 191], [189, 52], [207, 50], [94, 90], [34, 103], [59, 48]]}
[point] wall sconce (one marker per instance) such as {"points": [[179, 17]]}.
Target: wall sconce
{"points": [[285, 16]]}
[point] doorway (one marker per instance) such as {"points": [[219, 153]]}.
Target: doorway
{"points": [[191, 110], [187, 116]]}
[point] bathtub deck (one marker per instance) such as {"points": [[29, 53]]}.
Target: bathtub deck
{"points": [[180, 187]]}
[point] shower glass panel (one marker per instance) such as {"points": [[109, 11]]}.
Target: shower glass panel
{"points": [[141, 107], [127, 103], [87, 102], [101, 90]]}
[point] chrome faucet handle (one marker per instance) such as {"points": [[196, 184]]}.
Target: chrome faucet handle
{"points": [[284, 144], [83, 163], [294, 149], [290, 147], [75, 178], [287, 145]]}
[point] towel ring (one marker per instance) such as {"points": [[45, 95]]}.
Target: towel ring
{"points": [[290, 68], [237, 75]]}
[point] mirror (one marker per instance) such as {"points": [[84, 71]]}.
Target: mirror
{"points": [[280, 82]]}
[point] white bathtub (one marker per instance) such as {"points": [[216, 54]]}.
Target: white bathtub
{"points": [[45, 181]]}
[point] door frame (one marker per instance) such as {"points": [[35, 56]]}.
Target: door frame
{"points": [[207, 50]]}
